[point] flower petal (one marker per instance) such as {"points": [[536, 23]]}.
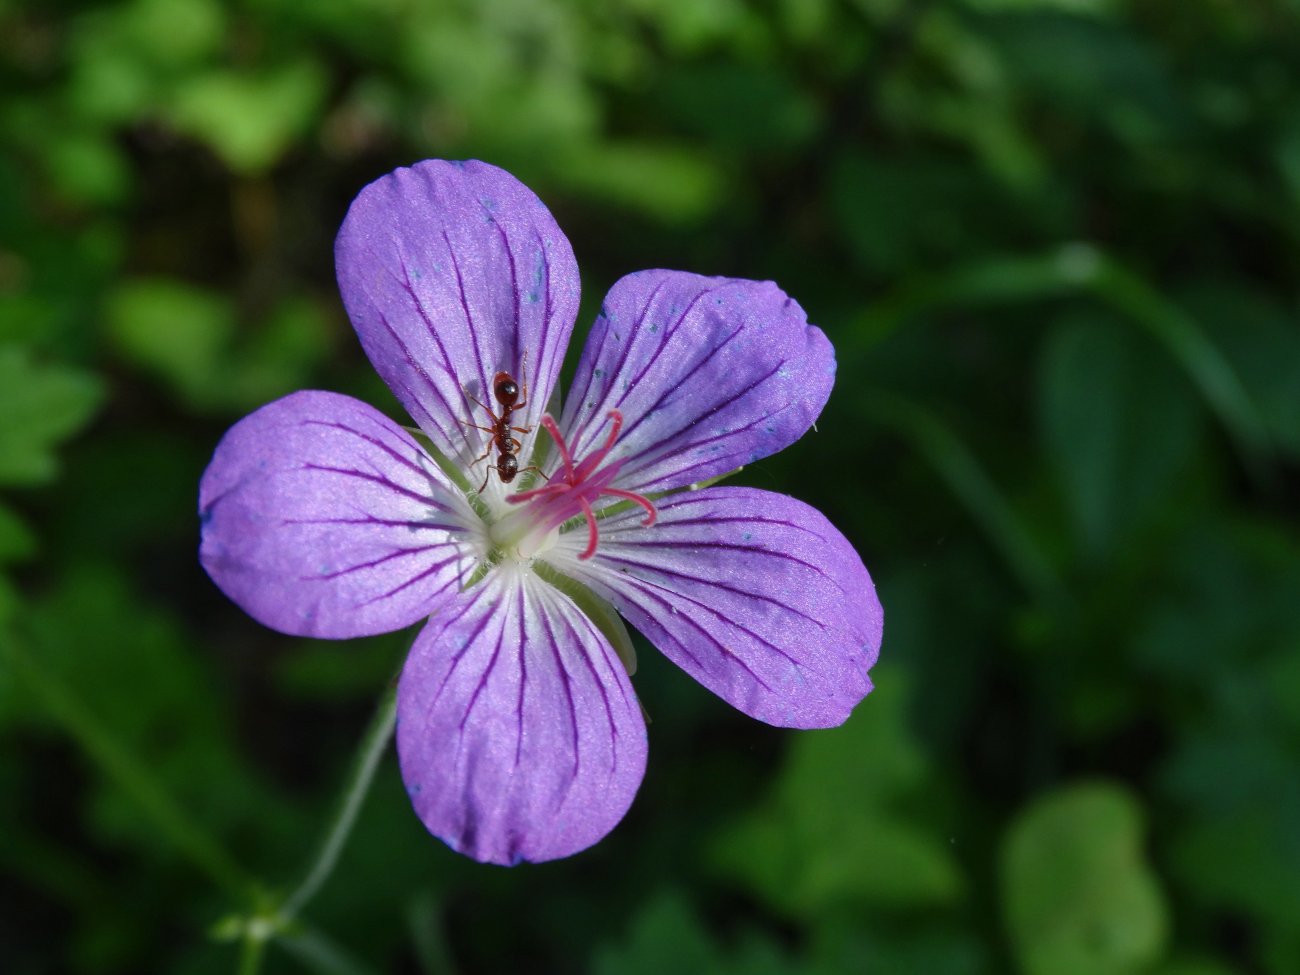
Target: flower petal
{"points": [[519, 735], [709, 373], [321, 517], [450, 273], [756, 595]]}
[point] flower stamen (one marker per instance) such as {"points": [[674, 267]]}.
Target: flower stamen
{"points": [[570, 493]]}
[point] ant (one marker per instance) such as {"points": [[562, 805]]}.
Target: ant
{"points": [[506, 391]]}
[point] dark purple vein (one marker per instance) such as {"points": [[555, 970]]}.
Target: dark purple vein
{"points": [[714, 583], [469, 317], [567, 683], [375, 478]]}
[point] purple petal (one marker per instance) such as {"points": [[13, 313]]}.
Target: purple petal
{"points": [[452, 272], [321, 517], [519, 735], [709, 373], [754, 594]]}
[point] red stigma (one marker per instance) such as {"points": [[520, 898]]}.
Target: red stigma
{"points": [[571, 490]]}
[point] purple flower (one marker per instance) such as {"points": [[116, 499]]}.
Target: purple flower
{"points": [[519, 734]]}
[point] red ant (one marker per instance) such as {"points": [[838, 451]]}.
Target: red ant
{"points": [[506, 391]]}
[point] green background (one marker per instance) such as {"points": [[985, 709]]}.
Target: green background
{"points": [[1054, 243]]}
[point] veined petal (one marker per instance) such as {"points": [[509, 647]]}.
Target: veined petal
{"points": [[756, 595], [519, 735], [450, 273], [710, 374], [321, 517]]}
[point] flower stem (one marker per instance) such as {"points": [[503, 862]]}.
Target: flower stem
{"points": [[250, 955], [373, 745]]}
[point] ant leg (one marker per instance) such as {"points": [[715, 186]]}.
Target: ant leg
{"points": [[519, 429], [490, 412], [469, 423], [487, 474], [525, 470]]}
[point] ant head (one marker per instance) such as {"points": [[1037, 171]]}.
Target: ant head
{"points": [[505, 389]]}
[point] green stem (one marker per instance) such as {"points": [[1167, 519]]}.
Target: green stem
{"points": [[373, 746], [250, 954], [130, 774]]}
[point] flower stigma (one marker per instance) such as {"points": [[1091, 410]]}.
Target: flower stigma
{"points": [[534, 529]]}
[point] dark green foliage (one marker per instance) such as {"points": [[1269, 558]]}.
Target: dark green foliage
{"points": [[1055, 245]]}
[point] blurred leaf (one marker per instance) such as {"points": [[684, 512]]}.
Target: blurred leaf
{"points": [[1226, 610], [278, 354], [1262, 340], [9, 604], [187, 337], [174, 32], [1197, 966], [172, 329], [140, 679], [1075, 268], [16, 540], [1093, 8], [250, 120], [832, 833], [1119, 427], [1090, 66], [1238, 846], [668, 936], [901, 213], [739, 108], [883, 945], [970, 483], [689, 27], [672, 184], [1077, 894], [40, 406], [329, 671], [88, 168]]}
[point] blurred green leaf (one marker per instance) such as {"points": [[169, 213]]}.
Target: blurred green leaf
{"points": [[1197, 966], [88, 168], [1238, 846], [1261, 338], [833, 833], [140, 678], [188, 338], [966, 477], [1088, 8], [329, 671], [40, 406], [688, 28], [668, 936], [673, 184], [1092, 67], [173, 329], [1081, 268], [174, 32], [739, 108], [16, 540], [250, 120], [1118, 424], [278, 353], [901, 213], [1077, 894]]}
